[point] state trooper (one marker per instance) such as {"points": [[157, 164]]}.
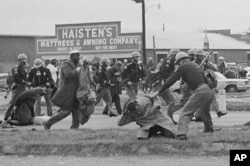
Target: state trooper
{"points": [[40, 76], [166, 70], [102, 87], [201, 97], [132, 75], [19, 74], [200, 54], [191, 54], [114, 75]]}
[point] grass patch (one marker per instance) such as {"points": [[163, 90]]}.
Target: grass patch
{"points": [[108, 142]]}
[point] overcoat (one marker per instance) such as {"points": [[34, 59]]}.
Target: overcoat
{"points": [[65, 96]]}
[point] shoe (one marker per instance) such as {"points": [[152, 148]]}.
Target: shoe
{"points": [[181, 137], [247, 124], [45, 126], [112, 115], [208, 131], [219, 114], [5, 125]]}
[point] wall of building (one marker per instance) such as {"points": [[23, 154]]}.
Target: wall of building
{"points": [[11, 46]]}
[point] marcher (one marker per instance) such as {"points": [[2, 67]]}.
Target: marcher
{"points": [[84, 93], [114, 75], [201, 98], [19, 74], [147, 113], [54, 70], [132, 75], [65, 96], [102, 88], [40, 76], [21, 111]]}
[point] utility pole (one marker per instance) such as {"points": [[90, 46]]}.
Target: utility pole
{"points": [[143, 31]]}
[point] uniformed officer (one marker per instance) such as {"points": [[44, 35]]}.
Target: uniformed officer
{"points": [[201, 98], [115, 86], [132, 75], [40, 76], [19, 74], [191, 54], [166, 70], [102, 87]]}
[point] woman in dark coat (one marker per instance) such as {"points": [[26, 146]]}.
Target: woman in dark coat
{"points": [[65, 97]]}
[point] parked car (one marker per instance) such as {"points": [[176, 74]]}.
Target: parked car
{"points": [[231, 85], [248, 72], [3, 84]]}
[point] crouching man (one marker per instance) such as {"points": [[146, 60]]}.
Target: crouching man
{"points": [[21, 110], [147, 113]]}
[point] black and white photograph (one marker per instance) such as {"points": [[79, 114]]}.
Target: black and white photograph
{"points": [[124, 82]]}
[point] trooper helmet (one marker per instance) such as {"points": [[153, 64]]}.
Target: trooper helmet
{"points": [[21, 56], [180, 56], [38, 63], [199, 52], [135, 54]]}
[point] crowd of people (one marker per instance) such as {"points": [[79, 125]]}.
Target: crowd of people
{"points": [[72, 85]]}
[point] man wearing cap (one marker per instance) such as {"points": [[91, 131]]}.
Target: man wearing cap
{"points": [[191, 54], [201, 97], [115, 86], [19, 74], [65, 96], [40, 76], [132, 75]]}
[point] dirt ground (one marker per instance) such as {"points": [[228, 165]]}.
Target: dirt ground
{"points": [[169, 160]]}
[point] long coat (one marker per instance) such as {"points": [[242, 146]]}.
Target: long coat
{"points": [[65, 96], [147, 116]]}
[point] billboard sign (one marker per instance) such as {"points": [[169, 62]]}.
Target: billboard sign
{"points": [[89, 38]]}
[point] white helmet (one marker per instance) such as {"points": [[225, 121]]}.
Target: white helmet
{"points": [[180, 55], [38, 63], [22, 56], [135, 54]]}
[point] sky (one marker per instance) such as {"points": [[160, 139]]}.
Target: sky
{"points": [[39, 17]]}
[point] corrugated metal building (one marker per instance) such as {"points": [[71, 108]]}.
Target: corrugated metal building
{"points": [[221, 45]]}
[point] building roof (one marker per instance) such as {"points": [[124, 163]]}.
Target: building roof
{"points": [[188, 40]]}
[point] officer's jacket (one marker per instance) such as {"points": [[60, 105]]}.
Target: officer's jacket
{"points": [[101, 76], [133, 73], [114, 77], [166, 69], [19, 74], [40, 76]]}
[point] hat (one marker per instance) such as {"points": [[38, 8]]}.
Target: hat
{"points": [[180, 55], [22, 56], [135, 54], [74, 52], [119, 63], [221, 57], [199, 52], [38, 63]]}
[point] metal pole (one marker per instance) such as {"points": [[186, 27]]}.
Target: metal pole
{"points": [[143, 33]]}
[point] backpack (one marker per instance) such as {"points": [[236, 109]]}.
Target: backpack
{"points": [[211, 79]]}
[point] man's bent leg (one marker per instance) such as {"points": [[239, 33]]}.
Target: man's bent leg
{"points": [[61, 114]]}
